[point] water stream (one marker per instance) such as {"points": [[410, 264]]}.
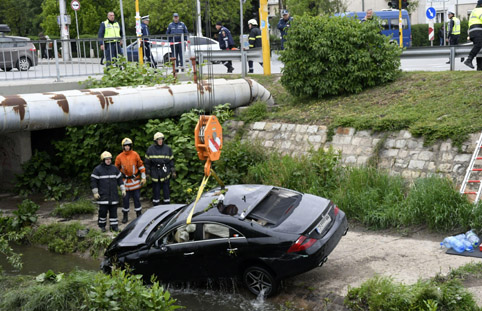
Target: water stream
{"points": [[226, 295]]}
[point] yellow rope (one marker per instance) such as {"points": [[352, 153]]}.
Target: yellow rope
{"points": [[199, 193]]}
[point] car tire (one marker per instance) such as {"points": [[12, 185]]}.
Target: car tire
{"points": [[167, 58], [23, 64], [258, 280]]}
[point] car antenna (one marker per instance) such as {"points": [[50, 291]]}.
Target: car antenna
{"points": [[208, 139]]}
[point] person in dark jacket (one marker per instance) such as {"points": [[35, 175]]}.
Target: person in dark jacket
{"points": [[226, 42], [177, 27], [254, 39], [110, 33], [283, 26], [145, 41], [159, 164], [104, 181]]}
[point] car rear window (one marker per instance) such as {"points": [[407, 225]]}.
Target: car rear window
{"points": [[275, 207]]}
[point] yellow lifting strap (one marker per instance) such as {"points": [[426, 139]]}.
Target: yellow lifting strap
{"points": [[199, 193]]}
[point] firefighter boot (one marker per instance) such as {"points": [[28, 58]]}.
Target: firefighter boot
{"points": [[125, 217], [114, 228], [138, 213]]}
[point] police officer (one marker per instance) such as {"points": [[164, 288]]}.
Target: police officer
{"points": [[104, 181], [254, 39], [129, 163], [454, 30], [160, 166], [110, 32], [475, 33], [226, 42], [177, 27], [283, 26], [145, 40]]}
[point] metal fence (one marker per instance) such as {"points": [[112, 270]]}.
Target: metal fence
{"points": [[36, 59]]}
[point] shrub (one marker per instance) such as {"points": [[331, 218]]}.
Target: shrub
{"points": [[26, 214], [80, 207], [255, 112], [335, 55]]}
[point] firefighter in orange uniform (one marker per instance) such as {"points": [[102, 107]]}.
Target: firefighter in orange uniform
{"points": [[130, 165]]}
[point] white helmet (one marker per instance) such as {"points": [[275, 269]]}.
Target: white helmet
{"points": [[105, 155], [253, 22], [158, 135]]}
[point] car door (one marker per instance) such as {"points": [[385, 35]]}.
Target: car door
{"points": [[221, 250], [8, 56], [171, 259]]}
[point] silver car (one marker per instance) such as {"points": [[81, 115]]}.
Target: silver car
{"points": [[17, 52]]}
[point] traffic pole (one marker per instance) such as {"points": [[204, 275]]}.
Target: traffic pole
{"points": [[400, 22], [139, 34], [263, 19]]}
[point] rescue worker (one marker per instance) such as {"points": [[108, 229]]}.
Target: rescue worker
{"points": [[454, 30], [145, 41], [226, 42], [104, 181], [254, 39], [475, 33], [283, 26], [177, 27], [160, 166], [130, 165], [110, 34]]}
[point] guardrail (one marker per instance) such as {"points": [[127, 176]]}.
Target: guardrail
{"points": [[450, 52], [243, 56]]}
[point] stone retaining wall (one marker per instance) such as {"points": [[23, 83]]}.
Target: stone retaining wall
{"points": [[399, 152]]}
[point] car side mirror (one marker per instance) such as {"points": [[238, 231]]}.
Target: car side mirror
{"points": [[158, 244]]}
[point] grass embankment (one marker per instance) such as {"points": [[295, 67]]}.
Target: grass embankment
{"points": [[435, 105]]}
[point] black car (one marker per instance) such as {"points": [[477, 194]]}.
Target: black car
{"points": [[260, 233]]}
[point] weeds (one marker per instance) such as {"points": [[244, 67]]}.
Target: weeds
{"points": [[69, 210], [255, 112]]}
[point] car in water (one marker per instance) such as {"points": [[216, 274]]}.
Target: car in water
{"points": [[161, 48], [257, 233], [16, 52]]}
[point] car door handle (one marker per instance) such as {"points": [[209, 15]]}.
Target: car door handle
{"points": [[232, 249], [189, 254]]}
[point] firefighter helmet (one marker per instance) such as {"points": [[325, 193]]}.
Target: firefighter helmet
{"points": [[253, 22], [126, 141], [105, 155], [158, 135]]}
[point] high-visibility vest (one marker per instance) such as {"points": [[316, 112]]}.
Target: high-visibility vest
{"points": [[112, 30], [456, 29], [475, 17]]}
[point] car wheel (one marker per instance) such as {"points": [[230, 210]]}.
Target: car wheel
{"points": [[23, 64], [259, 280], [167, 58]]}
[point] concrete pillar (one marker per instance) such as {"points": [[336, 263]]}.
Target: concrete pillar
{"points": [[15, 149]]}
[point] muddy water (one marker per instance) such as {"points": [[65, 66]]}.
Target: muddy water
{"points": [[226, 296]]}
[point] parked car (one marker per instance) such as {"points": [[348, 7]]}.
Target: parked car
{"points": [[261, 234], [17, 52], [161, 48]]}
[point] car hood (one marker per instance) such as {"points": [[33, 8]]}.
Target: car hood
{"points": [[137, 231], [305, 215]]}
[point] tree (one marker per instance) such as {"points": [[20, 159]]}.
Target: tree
{"points": [[315, 7], [23, 16]]}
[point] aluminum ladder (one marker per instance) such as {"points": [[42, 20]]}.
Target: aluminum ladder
{"points": [[476, 171]]}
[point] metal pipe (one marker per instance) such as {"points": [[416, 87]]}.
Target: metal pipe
{"points": [[28, 112]]}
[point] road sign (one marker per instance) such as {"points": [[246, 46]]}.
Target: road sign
{"points": [[431, 13], [66, 19], [75, 5], [430, 31]]}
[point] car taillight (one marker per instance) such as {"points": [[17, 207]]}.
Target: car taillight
{"points": [[33, 49], [301, 244], [336, 210]]}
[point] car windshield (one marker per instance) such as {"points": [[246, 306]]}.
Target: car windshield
{"points": [[157, 231], [275, 207]]}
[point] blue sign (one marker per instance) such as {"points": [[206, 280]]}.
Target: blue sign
{"points": [[431, 13]]}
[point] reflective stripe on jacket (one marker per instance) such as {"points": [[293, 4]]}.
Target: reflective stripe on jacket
{"points": [[475, 23], [254, 37], [130, 164], [159, 162], [104, 180], [225, 39]]}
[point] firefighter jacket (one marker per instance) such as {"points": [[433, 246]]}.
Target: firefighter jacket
{"points": [[132, 169], [225, 39], [104, 180], [254, 37], [159, 162]]}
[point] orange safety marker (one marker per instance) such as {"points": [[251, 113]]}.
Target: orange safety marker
{"points": [[208, 139]]}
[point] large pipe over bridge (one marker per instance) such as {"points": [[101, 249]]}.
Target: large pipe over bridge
{"points": [[30, 112]]}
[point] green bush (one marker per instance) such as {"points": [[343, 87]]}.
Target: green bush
{"points": [[316, 173], [255, 112], [26, 214], [382, 293], [80, 207], [83, 290], [336, 55]]}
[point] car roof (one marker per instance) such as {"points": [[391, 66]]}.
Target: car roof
{"points": [[18, 38]]}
